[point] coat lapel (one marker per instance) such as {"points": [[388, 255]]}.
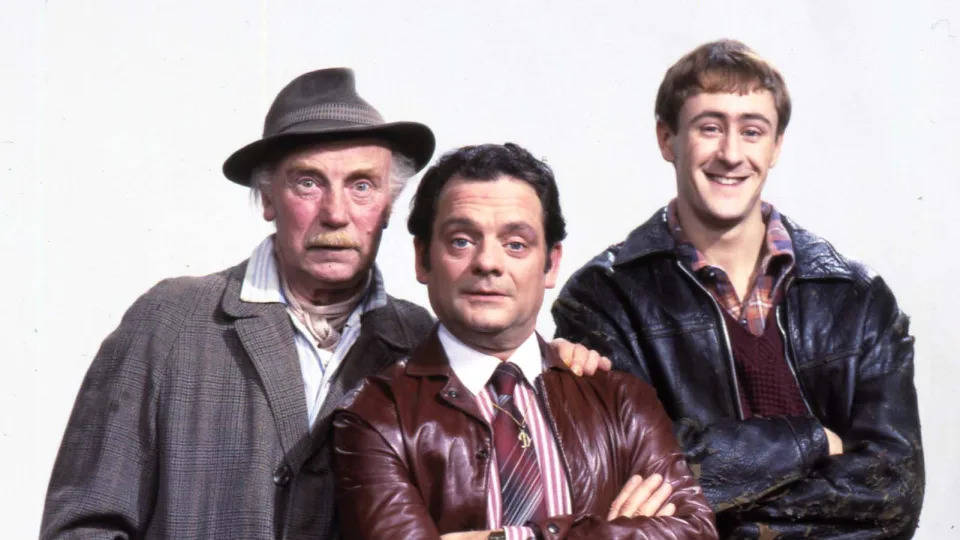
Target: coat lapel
{"points": [[381, 342], [266, 333], [368, 356], [430, 360]]}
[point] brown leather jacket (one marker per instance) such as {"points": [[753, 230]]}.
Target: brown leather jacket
{"points": [[412, 449]]}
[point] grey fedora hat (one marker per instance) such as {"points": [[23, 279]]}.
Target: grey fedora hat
{"points": [[323, 105]]}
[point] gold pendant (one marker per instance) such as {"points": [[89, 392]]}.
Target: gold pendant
{"points": [[524, 440]]}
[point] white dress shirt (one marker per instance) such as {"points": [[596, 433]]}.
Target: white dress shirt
{"points": [[474, 370]]}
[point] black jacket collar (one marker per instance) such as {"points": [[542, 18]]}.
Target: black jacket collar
{"points": [[815, 257]]}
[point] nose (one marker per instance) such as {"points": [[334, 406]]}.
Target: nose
{"points": [[730, 151], [488, 259], [333, 210]]}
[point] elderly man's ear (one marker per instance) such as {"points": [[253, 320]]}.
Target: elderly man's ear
{"points": [[269, 209]]}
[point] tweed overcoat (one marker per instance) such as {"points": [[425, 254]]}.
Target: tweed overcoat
{"points": [[191, 421]]}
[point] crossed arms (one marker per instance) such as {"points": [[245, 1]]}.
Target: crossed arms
{"points": [[778, 472]]}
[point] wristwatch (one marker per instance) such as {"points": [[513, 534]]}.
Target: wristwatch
{"points": [[497, 535]]}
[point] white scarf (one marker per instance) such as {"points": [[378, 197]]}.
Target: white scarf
{"points": [[325, 322]]}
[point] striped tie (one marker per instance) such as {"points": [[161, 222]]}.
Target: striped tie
{"points": [[521, 486]]}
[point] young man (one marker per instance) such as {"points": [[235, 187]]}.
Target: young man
{"points": [[483, 433], [786, 368]]}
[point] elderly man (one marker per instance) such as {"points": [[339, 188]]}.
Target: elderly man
{"points": [[206, 413], [786, 368], [483, 433]]}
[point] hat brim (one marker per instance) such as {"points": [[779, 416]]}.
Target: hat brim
{"points": [[412, 139]]}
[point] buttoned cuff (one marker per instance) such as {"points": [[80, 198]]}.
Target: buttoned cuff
{"points": [[811, 439], [553, 527]]}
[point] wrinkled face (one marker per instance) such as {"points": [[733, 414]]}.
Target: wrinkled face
{"points": [[724, 146], [330, 203], [487, 261]]}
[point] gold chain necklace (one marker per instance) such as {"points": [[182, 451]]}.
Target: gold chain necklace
{"points": [[523, 437]]}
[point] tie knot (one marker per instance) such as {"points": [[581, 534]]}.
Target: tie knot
{"points": [[505, 378]]}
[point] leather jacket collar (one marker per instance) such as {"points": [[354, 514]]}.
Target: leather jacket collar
{"points": [[430, 360], [815, 257]]}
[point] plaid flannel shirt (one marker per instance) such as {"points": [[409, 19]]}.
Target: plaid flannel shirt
{"points": [[776, 262]]}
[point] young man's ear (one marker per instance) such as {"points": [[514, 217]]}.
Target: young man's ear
{"points": [[778, 144], [665, 138], [421, 260]]}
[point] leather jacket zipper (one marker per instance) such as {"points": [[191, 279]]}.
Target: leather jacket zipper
{"points": [[787, 347], [726, 340]]}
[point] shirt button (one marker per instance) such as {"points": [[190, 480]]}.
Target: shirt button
{"points": [[552, 528], [452, 394], [282, 475], [483, 453], [743, 322]]}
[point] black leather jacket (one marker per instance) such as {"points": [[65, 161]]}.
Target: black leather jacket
{"points": [[848, 345]]}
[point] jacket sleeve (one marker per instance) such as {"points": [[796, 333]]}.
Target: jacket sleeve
{"points": [[104, 478], [875, 487], [591, 310], [649, 447], [369, 470]]}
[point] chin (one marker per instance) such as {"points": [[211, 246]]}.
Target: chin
{"points": [[335, 274], [727, 217], [481, 324], [722, 212]]}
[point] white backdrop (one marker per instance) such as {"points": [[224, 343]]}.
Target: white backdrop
{"points": [[115, 117]]}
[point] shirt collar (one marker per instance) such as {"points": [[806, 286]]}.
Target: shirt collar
{"points": [[474, 368], [261, 282], [777, 243]]}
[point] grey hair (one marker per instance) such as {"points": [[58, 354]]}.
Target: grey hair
{"points": [[402, 169]]}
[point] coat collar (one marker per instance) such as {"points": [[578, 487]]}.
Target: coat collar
{"points": [[397, 336], [430, 360], [815, 257], [267, 336]]}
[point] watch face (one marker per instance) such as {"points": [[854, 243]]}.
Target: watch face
{"points": [[497, 535]]}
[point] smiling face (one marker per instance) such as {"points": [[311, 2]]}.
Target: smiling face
{"points": [[330, 203], [724, 147], [488, 262]]}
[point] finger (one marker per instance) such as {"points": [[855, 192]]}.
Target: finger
{"points": [[563, 349], [590, 359], [668, 510], [640, 495], [605, 363], [633, 482], [656, 500], [579, 360]]}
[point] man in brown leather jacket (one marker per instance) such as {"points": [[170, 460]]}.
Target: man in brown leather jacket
{"points": [[483, 433]]}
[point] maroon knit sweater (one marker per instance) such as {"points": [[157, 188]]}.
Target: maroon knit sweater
{"points": [[767, 386]]}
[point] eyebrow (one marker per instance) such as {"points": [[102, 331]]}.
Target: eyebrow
{"points": [[365, 172], [721, 116], [521, 228], [456, 222], [514, 227]]}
